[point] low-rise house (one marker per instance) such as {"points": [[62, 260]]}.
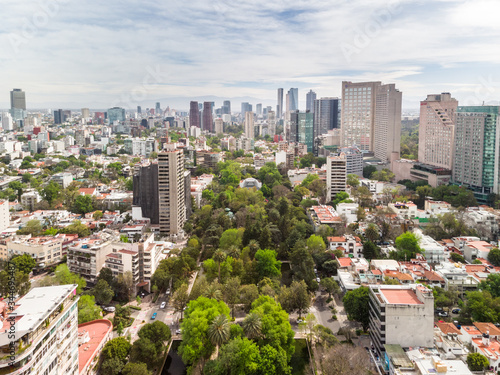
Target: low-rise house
{"points": [[324, 215], [349, 244]]}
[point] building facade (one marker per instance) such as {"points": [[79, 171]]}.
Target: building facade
{"points": [[116, 114], [279, 105], [336, 175], [208, 122], [310, 98], [354, 158], [249, 125], [194, 114]]}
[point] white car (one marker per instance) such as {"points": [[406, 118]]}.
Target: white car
{"points": [[163, 304], [167, 292], [318, 279], [109, 309], [178, 332]]}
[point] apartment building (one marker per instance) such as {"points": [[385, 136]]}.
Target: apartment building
{"points": [[401, 315], [121, 261], [46, 332], [4, 214], [45, 250], [336, 175], [92, 336]]}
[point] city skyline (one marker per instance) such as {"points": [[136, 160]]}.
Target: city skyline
{"points": [[43, 44]]}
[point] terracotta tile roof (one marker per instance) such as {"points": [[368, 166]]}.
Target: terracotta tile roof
{"points": [[487, 327], [344, 262], [336, 239], [433, 276], [448, 328]]}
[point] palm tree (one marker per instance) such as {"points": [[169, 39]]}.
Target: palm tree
{"points": [[213, 291], [233, 251], [252, 326], [219, 257], [219, 332]]}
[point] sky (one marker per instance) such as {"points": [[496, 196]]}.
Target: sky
{"points": [[99, 54]]}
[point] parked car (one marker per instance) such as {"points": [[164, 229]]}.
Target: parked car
{"points": [[443, 314], [178, 332], [109, 309], [456, 311], [163, 304], [153, 317], [318, 279], [300, 321], [167, 292]]}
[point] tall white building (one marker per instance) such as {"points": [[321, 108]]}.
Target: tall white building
{"points": [[45, 332], [354, 159], [219, 126], [171, 190], [7, 123], [249, 125], [336, 175], [4, 215]]}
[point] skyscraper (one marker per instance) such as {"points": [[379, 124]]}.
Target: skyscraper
{"points": [[249, 125], [139, 109], [310, 98], [17, 104], [476, 163], [58, 116], [172, 206], [246, 107], [194, 114], [279, 106], [436, 133], [226, 108], [292, 100], [326, 115], [258, 109], [219, 126], [207, 117], [364, 125], [146, 191], [158, 108], [85, 113], [116, 114], [302, 129]]}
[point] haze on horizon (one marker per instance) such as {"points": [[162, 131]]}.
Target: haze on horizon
{"points": [[99, 54]]}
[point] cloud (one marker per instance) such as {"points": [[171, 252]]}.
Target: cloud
{"points": [[94, 53]]}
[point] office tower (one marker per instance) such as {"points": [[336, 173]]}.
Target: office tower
{"points": [[310, 98], [208, 123], [116, 114], [336, 175], [58, 116], [401, 315], [85, 113], [292, 100], [171, 190], [45, 334], [226, 107], [194, 114], [219, 126], [146, 195], [387, 131], [7, 123], [139, 109], [362, 121], [258, 109], [302, 129], [354, 160], [326, 115], [436, 130], [249, 125], [18, 104], [476, 162], [246, 107], [279, 106], [158, 108]]}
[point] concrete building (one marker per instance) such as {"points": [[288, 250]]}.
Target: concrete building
{"points": [[85, 113], [326, 115], [4, 215], [401, 315], [476, 162], [310, 98], [146, 195], [279, 105], [45, 250], [249, 125], [142, 147], [208, 122], [219, 126], [92, 336], [349, 244], [172, 211], [45, 332], [302, 129], [371, 118], [7, 123], [116, 114], [436, 130], [354, 160], [123, 260], [18, 105], [336, 175], [64, 179], [194, 114]]}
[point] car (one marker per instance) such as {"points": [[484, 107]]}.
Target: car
{"points": [[153, 317], [456, 311], [300, 321], [109, 309], [178, 332], [163, 304], [318, 279], [443, 314], [315, 270], [439, 309], [167, 292]]}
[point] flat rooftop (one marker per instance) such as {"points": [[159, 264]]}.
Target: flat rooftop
{"points": [[97, 331], [400, 297]]}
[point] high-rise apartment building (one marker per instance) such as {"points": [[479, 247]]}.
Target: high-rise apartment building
{"points": [[219, 126], [208, 122], [302, 129], [292, 100], [18, 104], [45, 332], [362, 122], [310, 98], [271, 123], [477, 155], [326, 115], [7, 123], [194, 114], [171, 190], [249, 125], [279, 106], [226, 107], [85, 113], [354, 160], [336, 175], [116, 114], [436, 130], [146, 195]]}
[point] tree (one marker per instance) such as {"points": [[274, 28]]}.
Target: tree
{"points": [[477, 362], [457, 258], [231, 293], [407, 245], [76, 228], [492, 284], [144, 350], [22, 283], [383, 175], [180, 298], [135, 369], [240, 356], [219, 257], [352, 180], [111, 366], [105, 274], [199, 315], [315, 244], [218, 331], [51, 192], [252, 326], [303, 264], [267, 265], [64, 276], [231, 237], [24, 263], [87, 309], [344, 359], [371, 233], [368, 171], [33, 227], [157, 332], [116, 348], [494, 257], [370, 250], [103, 292], [249, 293], [330, 286], [302, 298], [356, 305]]}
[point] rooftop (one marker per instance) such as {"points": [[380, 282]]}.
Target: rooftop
{"points": [[400, 296], [97, 331]]}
